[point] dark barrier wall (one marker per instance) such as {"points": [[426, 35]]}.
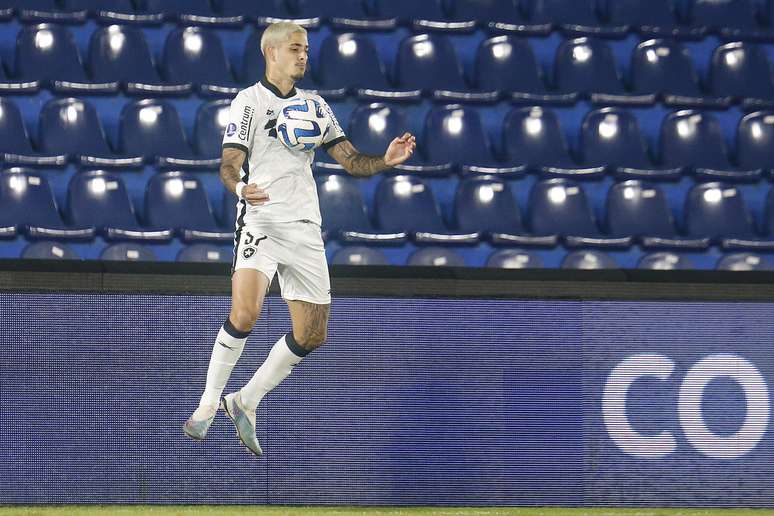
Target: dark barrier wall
{"points": [[411, 401]]}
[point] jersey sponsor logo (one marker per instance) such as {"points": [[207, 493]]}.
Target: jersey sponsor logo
{"points": [[245, 123], [230, 129], [248, 252]]}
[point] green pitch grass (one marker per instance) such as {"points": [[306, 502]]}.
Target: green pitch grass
{"points": [[143, 510]]}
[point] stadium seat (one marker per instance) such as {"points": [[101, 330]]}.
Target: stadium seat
{"points": [[228, 213], [768, 215], [694, 139], [559, 207], [719, 212], [48, 251], [742, 72], [485, 204], [436, 257], [71, 126], [48, 53], [121, 54], [744, 262], [405, 203], [152, 128], [179, 200], [611, 137], [579, 17], [588, 260], [343, 14], [727, 18], [497, 60], [642, 210], [204, 253], [664, 261], [256, 10], [424, 15], [755, 141], [15, 146], [196, 55], [197, 12], [500, 15], [37, 11], [211, 121], [359, 255], [654, 18], [100, 199], [344, 213], [27, 202], [514, 259], [532, 136], [588, 67], [128, 252]]}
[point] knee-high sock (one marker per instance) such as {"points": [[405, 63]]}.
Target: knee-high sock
{"points": [[284, 355], [225, 353]]}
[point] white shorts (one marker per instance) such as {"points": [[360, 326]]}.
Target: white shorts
{"points": [[294, 250]]}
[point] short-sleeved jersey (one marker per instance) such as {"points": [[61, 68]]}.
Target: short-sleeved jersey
{"points": [[286, 175]]}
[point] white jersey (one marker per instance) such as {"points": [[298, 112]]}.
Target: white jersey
{"points": [[284, 174]]}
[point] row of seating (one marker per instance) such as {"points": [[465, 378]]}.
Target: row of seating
{"points": [[610, 18], [193, 57], [454, 138]]}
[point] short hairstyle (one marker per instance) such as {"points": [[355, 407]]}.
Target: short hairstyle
{"points": [[277, 33]]}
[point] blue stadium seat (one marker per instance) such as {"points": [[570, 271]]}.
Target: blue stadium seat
{"points": [[666, 68], [100, 199], [350, 61], [611, 137], [485, 204], [436, 257], [179, 200], [256, 10], [744, 262], [664, 261], [532, 136], [48, 53], [654, 18], [48, 251], [768, 215], [211, 120], [196, 55], [152, 128], [408, 11], [15, 147], [121, 54], [228, 213], [26, 201], [71, 126], [742, 71], [719, 212], [198, 12], [559, 207], [755, 141], [114, 11], [508, 64], [514, 259], [406, 203], [342, 14], [588, 67], [500, 15], [359, 255], [728, 18], [694, 139], [204, 253], [37, 11], [642, 210], [344, 213], [579, 17], [589, 260], [128, 252]]}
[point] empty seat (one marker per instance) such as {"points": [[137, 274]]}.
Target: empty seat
{"points": [[559, 207], [436, 257], [642, 210], [359, 255], [49, 251], [253, 64], [576, 17], [100, 199], [254, 10], [196, 55], [588, 260], [611, 137], [694, 139], [503, 15], [204, 253], [410, 10], [350, 61], [485, 204], [326, 9], [176, 8], [755, 141], [178, 200], [406, 203], [36, 11], [719, 212], [128, 252], [211, 121], [742, 71], [514, 259], [532, 136], [15, 145], [651, 18], [664, 261], [729, 18], [744, 262]]}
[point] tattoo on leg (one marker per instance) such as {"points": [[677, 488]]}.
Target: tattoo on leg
{"points": [[315, 325]]}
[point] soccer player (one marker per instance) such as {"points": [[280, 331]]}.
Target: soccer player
{"points": [[277, 231]]}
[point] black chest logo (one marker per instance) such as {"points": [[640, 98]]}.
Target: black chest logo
{"points": [[271, 126]]}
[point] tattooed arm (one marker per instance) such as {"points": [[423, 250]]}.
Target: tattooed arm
{"points": [[363, 165], [230, 175]]}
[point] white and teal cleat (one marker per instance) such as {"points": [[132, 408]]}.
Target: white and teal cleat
{"points": [[197, 425], [244, 421]]}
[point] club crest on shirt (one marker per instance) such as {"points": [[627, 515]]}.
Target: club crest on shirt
{"points": [[248, 252], [230, 129]]}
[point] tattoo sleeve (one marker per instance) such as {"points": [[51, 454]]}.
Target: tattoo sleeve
{"points": [[355, 162], [230, 167]]}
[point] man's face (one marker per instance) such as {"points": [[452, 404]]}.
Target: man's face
{"points": [[292, 56]]}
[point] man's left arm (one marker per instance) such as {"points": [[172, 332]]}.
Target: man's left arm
{"points": [[363, 165]]}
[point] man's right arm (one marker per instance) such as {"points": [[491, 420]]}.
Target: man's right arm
{"points": [[230, 167]]}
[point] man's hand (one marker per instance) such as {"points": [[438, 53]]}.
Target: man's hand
{"points": [[254, 195], [400, 150]]}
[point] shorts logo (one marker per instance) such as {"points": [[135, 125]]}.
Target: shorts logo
{"points": [[248, 252], [230, 129]]}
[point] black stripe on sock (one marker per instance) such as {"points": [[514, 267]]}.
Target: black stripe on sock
{"points": [[231, 330], [294, 347]]}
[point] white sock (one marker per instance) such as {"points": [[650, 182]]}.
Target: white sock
{"points": [[225, 353], [284, 355]]}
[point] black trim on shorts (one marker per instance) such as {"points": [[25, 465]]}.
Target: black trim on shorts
{"points": [[239, 146], [326, 146], [241, 217]]}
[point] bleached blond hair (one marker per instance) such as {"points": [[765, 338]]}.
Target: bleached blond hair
{"points": [[278, 33]]}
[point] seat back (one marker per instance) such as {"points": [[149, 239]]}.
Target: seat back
{"points": [[265, 8], [514, 259], [27, 199], [559, 206], [663, 66], [693, 138], [586, 65], [768, 216], [128, 252], [532, 135], [178, 200], [71, 126], [350, 61], [407, 10], [436, 257], [341, 204], [717, 211], [741, 70], [487, 204], [507, 64], [253, 64], [100, 199], [755, 140], [487, 10], [150, 128], [744, 262], [95, 6], [211, 121], [196, 55], [588, 260], [428, 62], [634, 208], [203, 253], [454, 134], [373, 126], [121, 53], [178, 7], [612, 136], [653, 13], [328, 9], [664, 261], [49, 251], [13, 133], [359, 255], [406, 203], [577, 12], [716, 14], [48, 52]]}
